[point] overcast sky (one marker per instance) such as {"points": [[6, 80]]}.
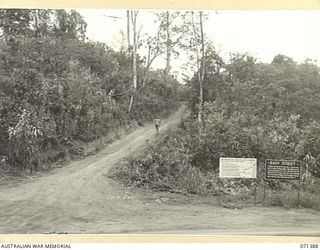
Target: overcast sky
{"points": [[263, 34]]}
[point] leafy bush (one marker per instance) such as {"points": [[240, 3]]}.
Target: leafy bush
{"points": [[165, 166]]}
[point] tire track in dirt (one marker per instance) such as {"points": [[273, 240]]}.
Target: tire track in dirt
{"points": [[79, 198], [72, 197]]}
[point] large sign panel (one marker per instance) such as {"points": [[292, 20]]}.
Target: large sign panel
{"points": [[283, 169], [238, 168]]}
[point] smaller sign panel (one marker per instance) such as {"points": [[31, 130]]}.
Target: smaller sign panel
{"points": [[283, 169], [238, 168]]}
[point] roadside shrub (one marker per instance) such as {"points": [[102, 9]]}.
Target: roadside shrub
{"points": [[164, 166], [190, 179], [243, 135], [25, 140], [309, 148], [310, 200]]}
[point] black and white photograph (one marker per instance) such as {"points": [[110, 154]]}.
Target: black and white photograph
{"points": [[160, 121]]}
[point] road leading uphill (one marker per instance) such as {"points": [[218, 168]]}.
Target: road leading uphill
{"points": [[75, 198], [80, 198]]}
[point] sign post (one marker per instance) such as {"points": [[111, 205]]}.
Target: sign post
{"points": [[255, 194], [220, 192], [299, 193], [264, 191]]}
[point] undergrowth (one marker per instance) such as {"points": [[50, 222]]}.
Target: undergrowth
{"points": [[169, 165]]}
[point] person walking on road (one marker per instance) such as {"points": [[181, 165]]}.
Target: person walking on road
{"points": [[157, 124]]}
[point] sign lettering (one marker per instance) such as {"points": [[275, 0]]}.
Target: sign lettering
{"points": [[283, 169], [238, 168]]}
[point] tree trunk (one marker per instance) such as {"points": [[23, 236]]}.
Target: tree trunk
{"points": [[134, 14], [147, 67], [131, 103], [128, 31], [201, 73], [36, 23], [168, 66], [135, 50]]}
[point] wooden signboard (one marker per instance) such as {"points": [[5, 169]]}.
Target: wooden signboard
{"points": [[238, 168], [283, 169]]}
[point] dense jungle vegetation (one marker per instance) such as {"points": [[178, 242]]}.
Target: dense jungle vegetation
{"points": [[250, 109], [57, 89]]}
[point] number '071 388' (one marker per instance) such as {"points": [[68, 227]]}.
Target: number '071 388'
{"points": [[309, 246]]}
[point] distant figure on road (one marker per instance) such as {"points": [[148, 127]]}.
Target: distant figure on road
{"points": [[157, 124]]}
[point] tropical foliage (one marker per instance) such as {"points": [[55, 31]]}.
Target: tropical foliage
{"points": [[56, 87], [251, 109]]}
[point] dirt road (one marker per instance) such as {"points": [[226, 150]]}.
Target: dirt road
{"points": [[79, 198]]}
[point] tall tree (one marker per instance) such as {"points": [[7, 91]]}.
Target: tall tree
{"points": [[202, 68], [168, 31], [199, 48], [41, 23], [155, 48], [128, 32], [168, 43], [134, 14], [193, 41], [69, 25]]}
